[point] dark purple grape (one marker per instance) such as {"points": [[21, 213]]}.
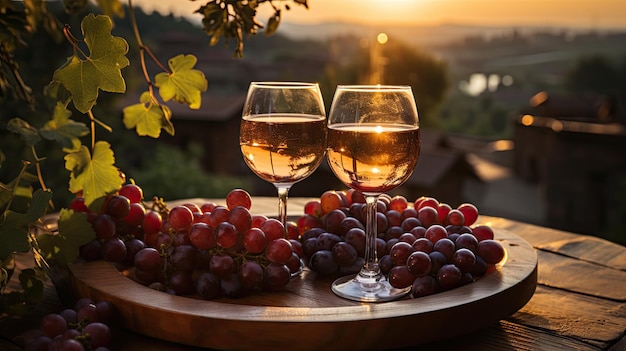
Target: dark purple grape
{"points": [[208, 286], [467, 241], [356, 238], [424, 286], [344, 253], [114, 250], [438, 260], [118, 206], [99, 334], [448, 276], [423, 244], [147, 259], [53, 324], [184, 258], [385, 264], [464, 259], [326, 241], [323, 263], [104, 226], [400, 277], [480, 267], [222, 265], [446, 247], [251, 275], [400, 252], [91, 251], [277, 275], [419, 263], [181, 282], [132, 247], [231, 286]]}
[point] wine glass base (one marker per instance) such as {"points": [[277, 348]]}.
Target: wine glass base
{"points": [[350, 288]]}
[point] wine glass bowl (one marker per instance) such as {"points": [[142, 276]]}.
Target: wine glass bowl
{"points": [[373, 147], [283, 134]]}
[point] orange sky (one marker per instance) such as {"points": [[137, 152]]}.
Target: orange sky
{"points": [[579, 13]]}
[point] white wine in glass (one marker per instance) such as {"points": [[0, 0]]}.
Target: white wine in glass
{"points": [[283, 134], [373, 147]]}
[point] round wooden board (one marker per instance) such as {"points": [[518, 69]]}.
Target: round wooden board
{"points": [[308, 316]]}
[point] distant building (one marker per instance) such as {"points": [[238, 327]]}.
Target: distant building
{"points": [[574, 147]]}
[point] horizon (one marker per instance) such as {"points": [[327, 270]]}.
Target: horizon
{"points": [[575, 14]]}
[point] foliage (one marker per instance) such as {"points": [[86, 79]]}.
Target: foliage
{"points": [[96, 65]]}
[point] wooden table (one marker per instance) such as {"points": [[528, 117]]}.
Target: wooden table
{"points": [[579, 303]]}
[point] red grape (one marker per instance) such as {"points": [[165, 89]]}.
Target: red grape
{"points": [[201, 236], [238, 197], [104, 226], [491, 251], [428, 216], [118, 206], [53, 324], [330, 200], [132, 192], [254, 240], [398, 203], [148, 259], [278, 250], [470, 212], [435, 233], [483, 232], [448, 276], [273, 229], [464, 259], [180, 217], [226, 235], [152, 222]]}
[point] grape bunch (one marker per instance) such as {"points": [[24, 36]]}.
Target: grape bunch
{"points": [[428, 246], [83, 327], [207, 250]]}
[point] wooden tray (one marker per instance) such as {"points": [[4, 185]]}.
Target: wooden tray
{"points": [[308, 316]]}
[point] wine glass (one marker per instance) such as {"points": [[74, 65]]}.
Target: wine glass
{"points": [[283, 134], [373, 147]]}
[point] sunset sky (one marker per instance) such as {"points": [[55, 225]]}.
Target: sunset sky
{"points": [[578, 13]]}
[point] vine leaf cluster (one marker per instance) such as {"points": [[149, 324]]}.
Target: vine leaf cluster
{"points": [[96, 65]]}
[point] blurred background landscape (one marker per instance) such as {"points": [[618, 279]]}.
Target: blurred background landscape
{"points": [[526, 121]]}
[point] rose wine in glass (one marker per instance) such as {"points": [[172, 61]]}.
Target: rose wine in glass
{"points": [[373, 147], [283, 134]]}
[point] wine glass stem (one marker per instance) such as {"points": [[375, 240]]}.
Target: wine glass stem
{"points": [[283, 191], [371, 271]]}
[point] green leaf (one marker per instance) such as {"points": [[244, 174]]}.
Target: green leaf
{"points": [[95, 176], [38, 204], [31, 284], [14, 230], [29, 134], [184, 84], [64, 130], [148, 117], [74, 231], [101, 70], [112, 7]]}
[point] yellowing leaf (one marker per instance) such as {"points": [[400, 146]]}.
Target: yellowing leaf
{"points": [[64, 130], [184, 84], [95, 176], [101, 70], [148, 118]]}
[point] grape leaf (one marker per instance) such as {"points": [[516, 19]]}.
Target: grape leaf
{"points": [[184, 84], [64, 130], [148, 117], [28, 133], [38, 204], [94, 175], [101, 70], [74, 231], [31, 284], [14, 238]]}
